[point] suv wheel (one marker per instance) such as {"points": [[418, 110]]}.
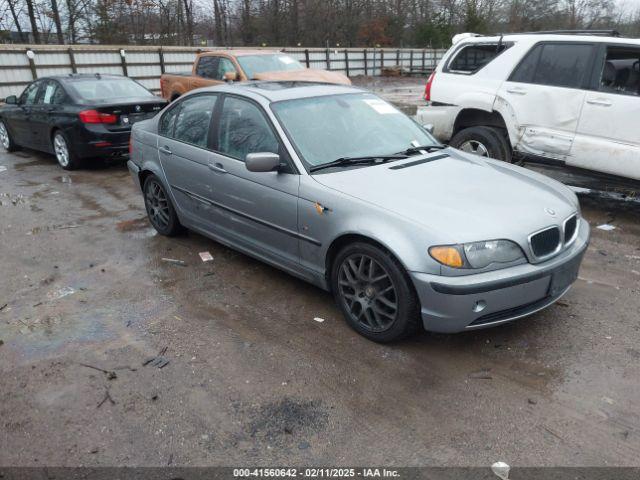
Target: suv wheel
{"points": [[5, 138], [374, 293], [483, 141], [159, 208]]}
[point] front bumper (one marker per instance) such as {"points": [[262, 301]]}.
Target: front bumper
{"points": [[452, 304]]}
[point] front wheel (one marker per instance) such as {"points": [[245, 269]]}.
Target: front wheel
{"points": [[483, 141], [374, 293], [5, 138], [159, 208]]}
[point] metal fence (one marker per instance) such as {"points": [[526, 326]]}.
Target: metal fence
{"points": [[21, 65]]}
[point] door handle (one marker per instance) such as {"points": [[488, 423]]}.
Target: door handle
{"points": [[517, 91], [217, 167], [165, 150], [602, 103]]}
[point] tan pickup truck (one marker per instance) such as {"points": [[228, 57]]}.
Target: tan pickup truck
{"points": [[215, 67]]}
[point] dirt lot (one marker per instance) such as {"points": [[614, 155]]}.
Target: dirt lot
{"points": [[253, 379]]}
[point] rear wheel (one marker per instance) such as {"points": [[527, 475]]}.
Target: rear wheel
{"points": [[64, 153], [5, 138], [374, 293], [483, 141], [159, 208]]}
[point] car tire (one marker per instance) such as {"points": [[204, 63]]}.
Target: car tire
{"points": [[64, 152], [484, 141], [160, 210], [5, 138], [377, 299]]}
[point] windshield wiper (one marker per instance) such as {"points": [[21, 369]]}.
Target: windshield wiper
{"points": [[427, 148], [342, 161]]}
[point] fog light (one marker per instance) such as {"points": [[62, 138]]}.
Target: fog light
{"points": [[479, 306]]}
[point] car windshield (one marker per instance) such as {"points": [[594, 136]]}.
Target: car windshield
{"points": [[324, 129], [254, 64], [106, 90]]}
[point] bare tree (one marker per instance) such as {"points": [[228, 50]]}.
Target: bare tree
{"points": [[32, 19], [55, 13]]}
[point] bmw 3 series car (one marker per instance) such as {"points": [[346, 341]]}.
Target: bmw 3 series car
{"points": [[336, 186], [76, 117]]}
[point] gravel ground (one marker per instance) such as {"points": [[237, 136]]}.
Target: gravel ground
{"points": [[253, 379]]}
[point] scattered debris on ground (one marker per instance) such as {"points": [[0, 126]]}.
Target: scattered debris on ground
{"points": [[107, 397], [111, 375], [318, 319], [484, 374], [159, 361], [61, 293], [174, 261], [206, 256], [501, 470], [606, 227]]}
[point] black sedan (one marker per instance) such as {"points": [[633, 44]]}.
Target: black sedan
{"points": [[76, 117]]}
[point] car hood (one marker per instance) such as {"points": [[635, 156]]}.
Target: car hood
{"points": [[462, 197], [305, 75]]}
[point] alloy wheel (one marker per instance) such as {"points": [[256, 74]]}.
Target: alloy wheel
{"points": [[4, 136], [61, 150], [474, 147], [368, 292], [157, 205]]}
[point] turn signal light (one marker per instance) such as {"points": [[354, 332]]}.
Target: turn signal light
{"points": [[93, 116], [449, 256]]}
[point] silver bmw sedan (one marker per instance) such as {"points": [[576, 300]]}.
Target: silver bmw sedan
{"points": [[336, 186]]}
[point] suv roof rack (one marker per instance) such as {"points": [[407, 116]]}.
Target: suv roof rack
{"points": [[603, 33]]}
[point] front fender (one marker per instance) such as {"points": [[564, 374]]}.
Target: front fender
{"points": [[325, 216]]}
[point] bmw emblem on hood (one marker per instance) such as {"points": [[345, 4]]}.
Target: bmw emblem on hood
{"points": [[550, 211]]}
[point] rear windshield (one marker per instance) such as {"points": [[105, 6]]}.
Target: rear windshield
{"points": [[106, 90], [472, 58], [254, 64]]}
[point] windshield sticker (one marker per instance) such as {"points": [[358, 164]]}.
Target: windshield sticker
{"points": [[381, 106]]}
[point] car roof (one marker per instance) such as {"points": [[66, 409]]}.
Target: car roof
{"points": [[241, 53], [536, 37], [274, 91], [82, 76]]}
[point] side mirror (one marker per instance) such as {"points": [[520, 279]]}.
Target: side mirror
{"points": [[428, 127], [262, 162], [230, 76], [11, 100]]}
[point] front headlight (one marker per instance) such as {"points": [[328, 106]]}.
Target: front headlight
{"points": [[477, 254]]}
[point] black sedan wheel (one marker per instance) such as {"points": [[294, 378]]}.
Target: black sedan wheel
{"points": [[160, 210], [64, 154], [374, 293], [5, 138]]}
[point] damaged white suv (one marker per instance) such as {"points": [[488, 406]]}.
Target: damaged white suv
{"points": [[568, 98]]}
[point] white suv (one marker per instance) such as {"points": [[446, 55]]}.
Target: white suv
{"points": [[572, 99]]}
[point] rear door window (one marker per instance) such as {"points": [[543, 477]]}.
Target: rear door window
{"points": [[208, 67], [621, 71], [472, 58], [193, 120], [52, 94], [555, 64]]}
